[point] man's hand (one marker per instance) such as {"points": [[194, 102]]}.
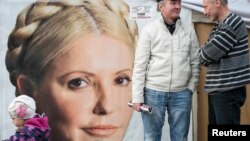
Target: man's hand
{"points": [[137, 106]]}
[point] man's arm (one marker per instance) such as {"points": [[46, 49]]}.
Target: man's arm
{"points": [[194, 58], [218, 46], [142, 56]]}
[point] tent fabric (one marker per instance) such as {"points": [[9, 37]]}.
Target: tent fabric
{"points": [[240, 7]]}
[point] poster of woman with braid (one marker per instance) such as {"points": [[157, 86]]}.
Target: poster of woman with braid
{"points": [[75, 58]]}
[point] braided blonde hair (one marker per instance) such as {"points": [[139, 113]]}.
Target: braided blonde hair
{"points": [[44, 30]]}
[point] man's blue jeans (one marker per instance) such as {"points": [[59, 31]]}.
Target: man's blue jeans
{"points": [[224, 107], [178, 106]]}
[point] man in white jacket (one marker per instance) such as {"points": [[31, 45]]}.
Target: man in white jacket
{"points": [[166, 73]]}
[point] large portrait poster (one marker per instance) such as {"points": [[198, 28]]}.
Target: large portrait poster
{"points": [[75, 57]]}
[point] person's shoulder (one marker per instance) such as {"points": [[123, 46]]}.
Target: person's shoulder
{"points": [[153, 23], [229, 24], [180, 22], [235, 15], [32, 132], [187, 27], [150, 27], [233, 20]]}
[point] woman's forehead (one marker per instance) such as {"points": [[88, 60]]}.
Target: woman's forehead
{"points": [[95, 52]]}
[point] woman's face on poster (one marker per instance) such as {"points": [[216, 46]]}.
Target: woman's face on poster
{"points": [[85, 90]]}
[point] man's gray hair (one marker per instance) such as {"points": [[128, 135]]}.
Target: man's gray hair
{"points": [[224, 2]]}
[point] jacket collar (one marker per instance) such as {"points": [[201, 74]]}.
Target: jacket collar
{"points": [[177, 23]]}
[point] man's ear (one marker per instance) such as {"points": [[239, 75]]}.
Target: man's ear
{"points": [[217, 3], [24, 85], [159, 7]]}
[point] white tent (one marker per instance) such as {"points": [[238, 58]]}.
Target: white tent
{"points": [[241, 7]]}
